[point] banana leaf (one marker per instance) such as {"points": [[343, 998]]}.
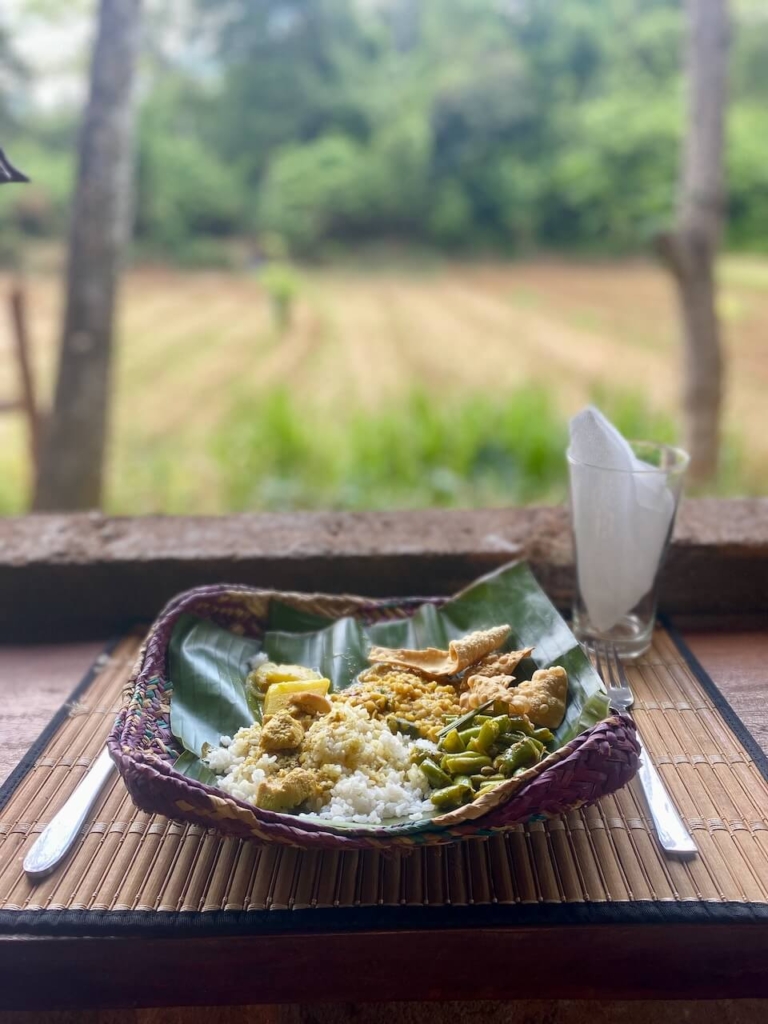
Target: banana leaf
{"points": [[208, 665]]}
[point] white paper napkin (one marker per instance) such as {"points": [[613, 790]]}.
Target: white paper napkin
{"points": [[620, 519]]}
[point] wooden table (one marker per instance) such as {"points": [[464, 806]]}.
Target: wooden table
{"points": [[83, 577], [359, 968]]}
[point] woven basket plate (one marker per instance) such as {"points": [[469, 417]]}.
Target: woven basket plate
{"points": [[589, 765]]}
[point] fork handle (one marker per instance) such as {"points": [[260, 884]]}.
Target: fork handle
{"points": [[670, 829], [57, 838]]}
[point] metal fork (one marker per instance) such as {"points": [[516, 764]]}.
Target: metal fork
{"points": [[670, 830]]}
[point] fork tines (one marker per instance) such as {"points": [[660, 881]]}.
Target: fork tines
{"points": [[612, 672]]}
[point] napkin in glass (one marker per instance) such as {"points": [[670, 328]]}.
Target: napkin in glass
{"points": [[622, 510]]}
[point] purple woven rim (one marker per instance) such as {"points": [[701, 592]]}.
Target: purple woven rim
{"points": [[595, 763]]}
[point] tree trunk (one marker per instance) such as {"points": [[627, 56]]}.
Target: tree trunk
{"points": [[691, 250], [72, 457]]}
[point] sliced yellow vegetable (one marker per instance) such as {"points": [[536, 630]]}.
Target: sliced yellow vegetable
{"points": [[279, 694], [265, 675]]}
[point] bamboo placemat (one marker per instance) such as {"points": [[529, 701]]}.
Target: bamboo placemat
{"points": [[141, 871]]}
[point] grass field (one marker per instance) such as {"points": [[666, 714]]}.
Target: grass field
{"points": [[383, 376]]}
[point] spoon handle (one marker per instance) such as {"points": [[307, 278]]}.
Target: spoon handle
{"points": [[59, 835]]}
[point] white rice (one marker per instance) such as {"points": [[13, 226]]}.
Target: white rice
{"points": [[370, 798], [375, 779], [241, 775]]}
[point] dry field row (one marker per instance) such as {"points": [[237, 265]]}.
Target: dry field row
{"points": [[190, 344]]}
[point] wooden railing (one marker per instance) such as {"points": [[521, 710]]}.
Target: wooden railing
{"points": [[86, 575], [26, 400]]}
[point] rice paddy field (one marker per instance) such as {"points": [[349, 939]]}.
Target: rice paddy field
{"points": [[433, 384]]}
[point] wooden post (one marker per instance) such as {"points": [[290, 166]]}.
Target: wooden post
{"points": [[691, 250], [27, 402]]}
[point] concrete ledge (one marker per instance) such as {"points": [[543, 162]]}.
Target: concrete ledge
{"points": [[83, 575]]}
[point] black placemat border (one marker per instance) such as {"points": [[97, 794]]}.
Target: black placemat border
{"points": [[732, 720], [170, 924], [74, 923]]}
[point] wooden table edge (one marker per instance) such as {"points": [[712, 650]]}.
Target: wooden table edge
{"points": [[595, 962]]}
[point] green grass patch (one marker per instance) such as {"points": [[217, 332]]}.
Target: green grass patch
{"points": [[424, 452], [272, 453], [14, 470]]}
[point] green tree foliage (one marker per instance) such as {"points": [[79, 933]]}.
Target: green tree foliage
{"points": [[746, 163], [186, 190], [747, 170], [291, 72], [338, 187], [464, 124], [13, 74], [314, 190]]}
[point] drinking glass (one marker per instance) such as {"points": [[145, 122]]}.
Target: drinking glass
{"points": [[607, 542]]}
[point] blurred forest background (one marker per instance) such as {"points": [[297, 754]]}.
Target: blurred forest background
{"points": [[383, 248]]}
